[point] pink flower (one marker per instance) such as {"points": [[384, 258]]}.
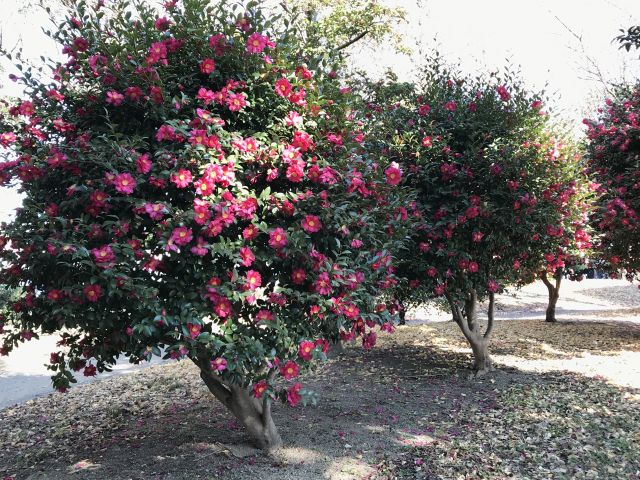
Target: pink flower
{"points": [[182, 178], [311, 224], [103, 254], [222, 308], [200, 249], [218, 364], [477, 236], [162, 24], [426, 141], [264, 315], [235, 101], [115, 98], [250, 232], [92, 292], [194, 330], [289, 370], [293, 395], [492, 286], [124, 183], [256, 43], [283, 87], [450, 106], [322, 284], [154, 210], [253, 280], [207, 66], [393, 174], [247, 256], [277, 238], [305, 349], [356, 243], [473, 267], [181, 235], [144, 164], [7, 138]]}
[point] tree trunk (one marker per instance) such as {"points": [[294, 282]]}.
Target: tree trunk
{"points": [[402, 313], [255, 415], [554, 294], [466, 319]]}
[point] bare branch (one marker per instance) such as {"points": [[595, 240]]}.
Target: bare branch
{"points": [[348, 43]]}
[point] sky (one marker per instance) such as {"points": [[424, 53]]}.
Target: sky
{"points": [[554, 42]]}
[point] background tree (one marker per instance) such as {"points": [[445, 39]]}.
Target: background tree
{"points": [[497, 190], [614, 154], [192, 191]]}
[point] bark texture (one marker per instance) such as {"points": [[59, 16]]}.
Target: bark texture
{"points": [[254, 414], [465, 316]]}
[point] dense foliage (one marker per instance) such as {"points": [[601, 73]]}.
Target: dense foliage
{"points": [[614, 155], [192, 190]]}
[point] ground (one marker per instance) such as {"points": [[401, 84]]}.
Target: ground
{"points": [[564, 403]]}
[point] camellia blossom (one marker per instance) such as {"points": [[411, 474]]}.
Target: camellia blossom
{"points": [[277, 238], [182, 178], [103, 254], [218, 364], [322, 284], [181, 235], [298, 276], [393, 174], [253, 280], [92, 292], [293, 395], [124, 183], [194, 330], [259, 388], [289, 370], [247, 256], [492, 286], [305, 350], [256, 43], [207, 66], [311, 224]]}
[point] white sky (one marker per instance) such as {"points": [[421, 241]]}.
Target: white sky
{"points": [[476, 34]]}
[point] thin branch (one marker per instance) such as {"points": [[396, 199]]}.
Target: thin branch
{"points": [[490, 316], [348, 43], [266, 401]]}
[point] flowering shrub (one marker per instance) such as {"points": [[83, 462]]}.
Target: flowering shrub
{"points": [[614, 153], [499, 197], [193, 192]]}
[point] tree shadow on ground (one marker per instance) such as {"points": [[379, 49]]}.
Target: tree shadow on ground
{"points": [[536, 339], [394, 411]]}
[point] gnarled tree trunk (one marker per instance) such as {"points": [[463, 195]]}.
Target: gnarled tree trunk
{"points": [[554, 294], [465, 317], [253, 413]]}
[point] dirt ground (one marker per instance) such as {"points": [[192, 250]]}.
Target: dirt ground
{"points": [[563, 404]]}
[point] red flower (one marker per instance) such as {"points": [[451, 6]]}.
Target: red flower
{"points": [[259, 388], [115, 98], [92, 292], [293, 395], [298, 276], [207, 66], [322, 284], [181, 236], [194, 330], [90, 371], [103, 254], [256, 43], [289, 370], [247, 256], [54, 295], [305, 349]]}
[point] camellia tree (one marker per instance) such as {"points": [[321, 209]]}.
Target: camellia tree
{"points": [[500, 198], [192, 191], [614, 155]]}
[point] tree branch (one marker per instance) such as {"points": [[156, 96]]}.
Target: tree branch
{"points": [[350, 42], [490, 318]]}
